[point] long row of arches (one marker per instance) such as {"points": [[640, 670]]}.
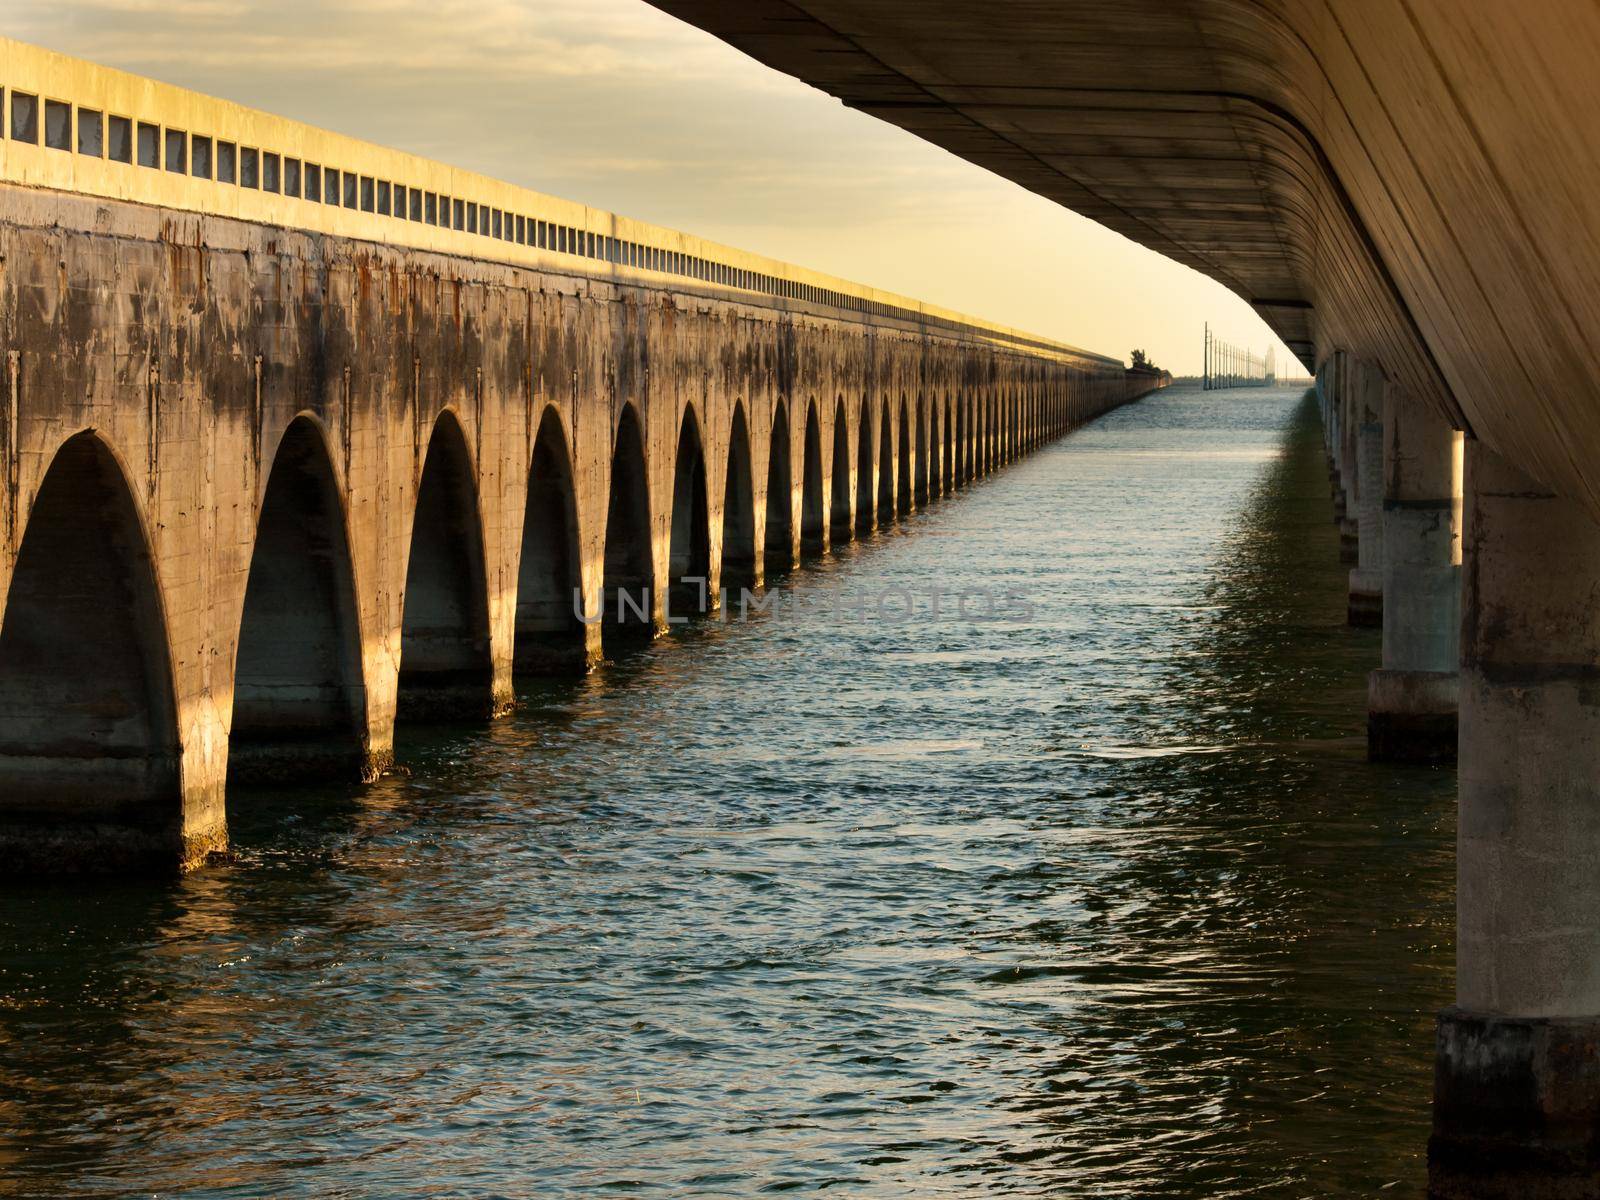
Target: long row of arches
{"points": [[89, 725]]}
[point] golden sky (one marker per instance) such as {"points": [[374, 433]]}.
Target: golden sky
{"points": [[617, 105]]}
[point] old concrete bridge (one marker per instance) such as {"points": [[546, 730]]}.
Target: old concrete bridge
{"points": [[1406, 191], [302, 435]]}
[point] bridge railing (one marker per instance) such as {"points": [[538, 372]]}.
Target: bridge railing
{"points": [[75, 126]]}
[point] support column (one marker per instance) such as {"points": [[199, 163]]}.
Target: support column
{"points": [[1366, 580], [1517, 1074], [1349, 440], [1411, 700], [1328, 398]]}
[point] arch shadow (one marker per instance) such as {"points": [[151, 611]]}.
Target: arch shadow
{"points": [[738, 509], [689, 559], [627, 613], [903, 482], [779, 545], [813, 518], [865, 506], [920, 472], [299, 694], [445, 667], [90, 778], [839, 522], [549, 638], [885, 467]]}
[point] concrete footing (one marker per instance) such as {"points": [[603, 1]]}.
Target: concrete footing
{"points": [[446, 696], [296, 758], [1412, 700], [102, 848], [1411, 716], [1517, 1077], [1366, 597], [1516, 1109], [1349, 541]]}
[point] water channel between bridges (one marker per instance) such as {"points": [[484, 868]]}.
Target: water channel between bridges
{"points": [[1093, 895]]}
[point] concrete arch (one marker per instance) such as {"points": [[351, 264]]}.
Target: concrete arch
{"points": [[689, 553], [865, 492], [813, 508], [839, 521], [445, 666], [549, 638], [902, 489], [778, 549], [739, 561], [299, 686], [885, 466], [627, 596], [89, 748], [920, 469]]}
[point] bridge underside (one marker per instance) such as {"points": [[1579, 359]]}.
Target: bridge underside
{"points": [[1411, 182], [1406, 192]]}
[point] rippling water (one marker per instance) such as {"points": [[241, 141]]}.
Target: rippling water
{"points": [[1099, 902]]}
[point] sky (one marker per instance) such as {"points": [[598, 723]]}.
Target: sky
{"points": [[616, 105]]}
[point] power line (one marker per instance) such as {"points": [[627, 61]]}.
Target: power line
{"points": [[1230, 366]]}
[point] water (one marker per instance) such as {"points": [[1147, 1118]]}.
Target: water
{"points": [[1101, 902]]}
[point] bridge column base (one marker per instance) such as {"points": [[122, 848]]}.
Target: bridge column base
{"points": [[1349, 541], [556, 658], [1517, 1073], [1411, 716], [1516, 1108], [1366, 597], [104, 848], [447, 696], [302, 758]]}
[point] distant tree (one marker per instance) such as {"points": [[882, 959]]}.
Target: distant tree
{"points": [[1139, 359]]}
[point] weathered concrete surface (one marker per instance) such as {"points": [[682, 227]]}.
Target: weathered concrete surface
{"points": [[1514, 1105], [264, 487], [1517, 1111], [1412, 697], [1366, 578]]}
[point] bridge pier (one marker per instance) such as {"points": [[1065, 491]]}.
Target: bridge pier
{"points": [[1345, 389], [1411, 699], [1332, 412], [1365, 606], [1517, 1081]]}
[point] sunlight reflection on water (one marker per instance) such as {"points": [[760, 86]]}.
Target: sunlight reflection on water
{"points": [[1102, 902]]}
